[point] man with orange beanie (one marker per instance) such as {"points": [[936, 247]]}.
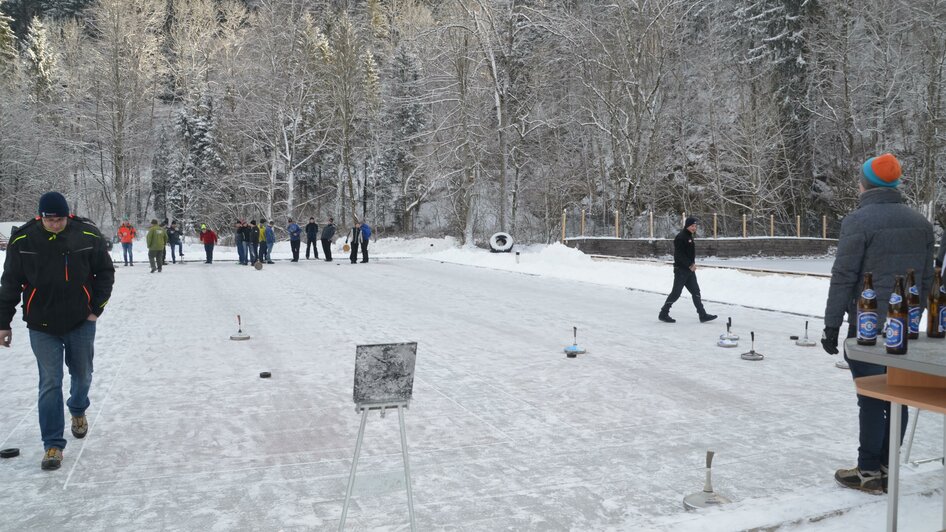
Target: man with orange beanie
{"points": [[886, 238]]}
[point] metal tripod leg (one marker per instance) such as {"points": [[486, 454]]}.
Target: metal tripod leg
{"points": [[354, 466], [407, 465]]}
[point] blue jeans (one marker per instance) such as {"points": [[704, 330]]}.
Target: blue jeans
{"points": [[269, 251], [127, 253], [76, 348], [874, 416], [251, 251], [180, 251], [241, 251]]}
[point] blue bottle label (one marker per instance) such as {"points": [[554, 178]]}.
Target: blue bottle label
{"points": [[915, 313], [895, 336], [868, 294], [867, 325], [942, 319], [914, 290], [895, 298]]}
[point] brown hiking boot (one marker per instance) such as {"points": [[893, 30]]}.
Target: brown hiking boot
{"points": [[80, 426], [52, 459], [874, 482]]}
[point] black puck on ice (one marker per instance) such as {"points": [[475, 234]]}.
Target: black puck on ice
{"points": [[9, 453], [265, 375], [793, 337]]}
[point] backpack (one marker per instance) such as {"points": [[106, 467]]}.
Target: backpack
{"points": [[365, 231]]}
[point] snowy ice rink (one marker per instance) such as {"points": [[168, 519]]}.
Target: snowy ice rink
{"points": [[505, 432]]}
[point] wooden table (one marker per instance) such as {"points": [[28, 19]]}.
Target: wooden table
{"points": [[916, 379]]}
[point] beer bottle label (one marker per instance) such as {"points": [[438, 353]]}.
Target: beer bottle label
{"points": [[914, 290], [868, 294], [895, 333], [915, 313], [942, 319], [942, 288], [895, 298], [867, 325]]}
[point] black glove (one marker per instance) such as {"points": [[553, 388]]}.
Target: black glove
{"points": [[829, 340]]}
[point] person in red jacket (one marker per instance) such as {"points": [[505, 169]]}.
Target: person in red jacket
{"points": [[126, 233], [209, 238]]}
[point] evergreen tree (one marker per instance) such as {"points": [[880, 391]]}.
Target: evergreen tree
{"points": [[8, 55], [39, 63], [404, 118]]}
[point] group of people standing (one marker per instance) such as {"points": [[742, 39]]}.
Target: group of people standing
{"points": [[254, 241]]}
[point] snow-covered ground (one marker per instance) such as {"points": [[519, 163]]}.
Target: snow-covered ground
{"points": [[505, 432]]}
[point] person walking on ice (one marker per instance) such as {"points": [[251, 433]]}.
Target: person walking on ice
{"points": [[60, 307], [684, 273]]}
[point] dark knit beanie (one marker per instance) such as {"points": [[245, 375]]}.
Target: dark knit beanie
{"points": [[690, 221], [53, 204], [882, 171]]}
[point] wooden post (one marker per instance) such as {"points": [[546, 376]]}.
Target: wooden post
{"points": [[798, 225], [617, 225], [772, 225], [651, 224], [714, 225], [683, 218], [583, 222], [563, 226], [824, 226], [745, 232]]}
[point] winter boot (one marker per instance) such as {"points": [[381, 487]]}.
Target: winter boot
{"points": [[664, 316], [52, 459], [80, 426], [868, 481], [707, 317]]}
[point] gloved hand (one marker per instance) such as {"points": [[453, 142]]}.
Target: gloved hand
{"points": [[829, 340]]}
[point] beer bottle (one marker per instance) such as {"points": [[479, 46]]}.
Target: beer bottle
{"points": [[867, 313], [933, 320], [913, 305], [898, 321]]}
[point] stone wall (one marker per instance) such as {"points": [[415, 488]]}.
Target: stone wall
{"points": [[706, 247]]}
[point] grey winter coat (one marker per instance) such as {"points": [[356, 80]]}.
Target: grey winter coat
{"points": [[885, 237]]}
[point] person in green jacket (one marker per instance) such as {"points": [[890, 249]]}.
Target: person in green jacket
{"points": [[157, 240]]}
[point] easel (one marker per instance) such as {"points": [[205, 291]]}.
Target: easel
{"points": [[384, 379], [364, 409]]}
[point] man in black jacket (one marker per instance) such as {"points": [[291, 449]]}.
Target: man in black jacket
{"points": [[60, 267], [327, 233], [312, 238], [684, 273]]}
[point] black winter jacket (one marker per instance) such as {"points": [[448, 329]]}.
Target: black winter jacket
{"points": [[62, 278], [684, 251], [328, 232], [312, 231]]}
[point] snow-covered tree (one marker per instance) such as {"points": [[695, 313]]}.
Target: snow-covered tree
{"points": [[39, 63]]}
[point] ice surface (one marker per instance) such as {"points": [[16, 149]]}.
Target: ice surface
{"points": [[505, 431]]}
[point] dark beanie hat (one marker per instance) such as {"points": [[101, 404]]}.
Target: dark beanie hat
{"points": [[882, 171], [53, 204], [689, 221]]}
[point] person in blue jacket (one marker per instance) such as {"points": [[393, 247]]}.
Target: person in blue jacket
{"points": [[270, 242], [365, 230], [295, 235]]}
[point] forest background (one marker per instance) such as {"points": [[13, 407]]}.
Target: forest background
{"points": [[466, 117]]}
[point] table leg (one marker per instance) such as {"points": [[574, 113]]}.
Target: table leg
{"points": [[893, 467]]}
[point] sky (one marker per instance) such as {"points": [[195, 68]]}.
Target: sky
{"points": [[504, 431]]}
